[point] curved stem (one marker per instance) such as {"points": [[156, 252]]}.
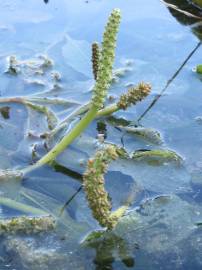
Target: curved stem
{"points": [[73, 134], [108, 110]]}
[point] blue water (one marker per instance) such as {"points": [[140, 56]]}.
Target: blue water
{"points": [[160, 230]]}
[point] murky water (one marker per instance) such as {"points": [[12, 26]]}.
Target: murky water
{"points": [[162, 229]]}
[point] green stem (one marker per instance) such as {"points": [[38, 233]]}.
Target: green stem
{"points": [[73, 134], [108, 110], [82, 109], [21, 206]]}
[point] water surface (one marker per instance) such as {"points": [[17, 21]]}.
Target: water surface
{"points": [[159, 231]]}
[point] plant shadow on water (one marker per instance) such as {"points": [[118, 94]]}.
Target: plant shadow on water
{"points": [[162, 227]]}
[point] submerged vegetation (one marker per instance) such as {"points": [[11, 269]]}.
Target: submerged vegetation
{"points": [[102, 64], [126, 171]]}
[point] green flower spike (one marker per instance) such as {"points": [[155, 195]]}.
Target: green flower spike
{"points": [[27, 225], [99, 93], [134, 95], [104, 74], [95, 58], [93, 182]]}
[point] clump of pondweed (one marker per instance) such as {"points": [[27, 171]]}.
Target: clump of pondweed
{"points": [[102, 58]]}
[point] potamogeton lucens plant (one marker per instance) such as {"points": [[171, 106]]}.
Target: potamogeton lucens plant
{"points": [[102, 59]]}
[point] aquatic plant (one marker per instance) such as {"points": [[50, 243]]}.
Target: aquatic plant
{"points": [[94, 186], [102, 64], [93, 182], [100, 89], [131, 97], [103, 59], [157, 156]]}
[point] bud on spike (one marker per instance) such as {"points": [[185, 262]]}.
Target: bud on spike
{"points": [[95, 58]]}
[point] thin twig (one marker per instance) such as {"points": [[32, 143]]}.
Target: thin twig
{"points": [[169, 82]]}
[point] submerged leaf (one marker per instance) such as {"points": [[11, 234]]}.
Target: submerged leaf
{"points": [[165, 178], [26, 208], [118, 121], [34, 255], [77, 54], [147, 134], [160, 223], [52, 207], [158, 228], [51, 117], [157, 157]]}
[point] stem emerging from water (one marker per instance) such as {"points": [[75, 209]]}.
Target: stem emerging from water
{"points": [[102, 84], [74, 133]]}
